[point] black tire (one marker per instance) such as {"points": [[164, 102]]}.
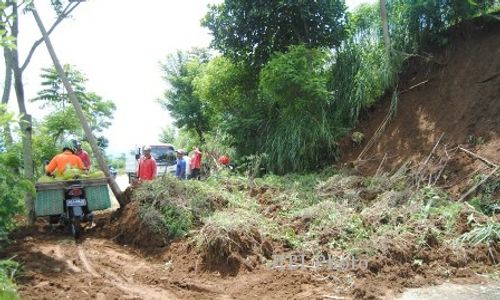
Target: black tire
{"points": [[76, 227]]}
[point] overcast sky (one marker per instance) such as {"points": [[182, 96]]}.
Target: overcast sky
{"points": [[118, 45]]}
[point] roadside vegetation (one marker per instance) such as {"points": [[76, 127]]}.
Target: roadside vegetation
{"points": [[288, 100], [290, 80], [234, 222]]}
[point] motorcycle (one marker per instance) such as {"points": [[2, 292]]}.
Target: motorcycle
{"points": [[75, 209]]}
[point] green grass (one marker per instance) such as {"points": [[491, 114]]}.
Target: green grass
{"points": [[8, 270], [482, 234]]}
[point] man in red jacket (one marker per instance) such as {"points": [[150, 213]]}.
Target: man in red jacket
{"points": [[196, 163], [84, 156], [147, 166]]}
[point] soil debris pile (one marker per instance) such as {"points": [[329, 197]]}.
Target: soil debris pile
{"points": [[457, 105]]}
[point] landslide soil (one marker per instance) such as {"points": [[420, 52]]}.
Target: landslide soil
{"points": [[455, 91], [118, 259], [56, 266]]}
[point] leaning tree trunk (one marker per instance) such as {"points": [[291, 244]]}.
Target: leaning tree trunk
{"points": [[86, 128]]}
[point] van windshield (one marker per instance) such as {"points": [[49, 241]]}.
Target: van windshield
{"points": [[164, 155]]}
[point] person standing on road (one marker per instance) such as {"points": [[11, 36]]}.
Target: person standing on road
{"points": [[180, 172], [147, 166], [188, 164], [84, 156], [196, 163]]}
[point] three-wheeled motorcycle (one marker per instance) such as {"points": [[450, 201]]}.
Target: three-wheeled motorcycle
{"points": [[71, 202]]}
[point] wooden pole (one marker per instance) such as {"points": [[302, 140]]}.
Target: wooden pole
{"points": [[78, 108]]}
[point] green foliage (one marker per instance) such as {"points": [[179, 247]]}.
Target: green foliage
{"points": [[418, 22], [62, 118], [178, 221], [483, 233], [13, 186], [299, 134], [230, 91], [295, 75], [185, 106], [487, 200], [251, 31], [168, 135], [62, 121], [119, 162], [8, 270]]}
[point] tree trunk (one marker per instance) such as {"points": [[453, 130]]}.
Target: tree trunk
{"points": [[26, 132], [25, 122], [88, 132], [6, 92], [385, 26]]}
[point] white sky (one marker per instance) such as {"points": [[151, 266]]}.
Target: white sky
{"points": [[118, 45]]}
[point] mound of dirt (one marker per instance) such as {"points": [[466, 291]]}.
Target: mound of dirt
{"points": [[455, 92], [129, 228], [229, 252]]}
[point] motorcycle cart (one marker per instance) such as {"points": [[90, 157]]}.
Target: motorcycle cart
{"points": [[52, 200]]}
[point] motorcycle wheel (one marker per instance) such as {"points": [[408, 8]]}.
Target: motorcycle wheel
{"points": [[76, 228]]}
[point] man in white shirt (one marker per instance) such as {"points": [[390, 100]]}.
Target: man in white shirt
{"points": [[188, 164]]}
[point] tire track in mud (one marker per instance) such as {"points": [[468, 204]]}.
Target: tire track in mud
{"points": [[126, 285]]}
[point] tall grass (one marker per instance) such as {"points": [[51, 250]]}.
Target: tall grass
{"points": [[8, 270]]}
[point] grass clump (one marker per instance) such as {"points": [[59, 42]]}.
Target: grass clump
{"points": [[488, 234], [8, 270], [226, 236]]}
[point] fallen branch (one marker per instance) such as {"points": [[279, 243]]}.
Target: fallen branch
{"points": [[478, 157], [444, 166], [477, 185], [489, 78], [414, 86], [381, 163], [421, 168]]}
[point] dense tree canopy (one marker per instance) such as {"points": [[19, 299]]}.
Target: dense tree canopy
{"points": [[253, 30], [185, 106], [294, 75]]}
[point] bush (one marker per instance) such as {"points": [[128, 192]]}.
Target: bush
{"points": [[8, 270]]}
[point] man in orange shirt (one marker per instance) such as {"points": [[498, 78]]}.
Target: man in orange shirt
{"points": [[147, 166], [64, 161]]}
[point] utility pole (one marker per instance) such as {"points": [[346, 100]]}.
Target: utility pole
{"points": [[78, 108]]}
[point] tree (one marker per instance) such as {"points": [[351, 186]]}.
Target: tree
{"points": [[78, 109], [63, 118], [168, 135], [253, 30], [13, 62], [180, 99], [301, 133], [12, 185], [230, 91]]}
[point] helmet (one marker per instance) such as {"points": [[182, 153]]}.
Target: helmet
{"points": [[147, 148], [69, 146]]}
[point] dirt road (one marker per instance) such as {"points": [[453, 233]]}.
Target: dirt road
{"points": [[55, 267]]}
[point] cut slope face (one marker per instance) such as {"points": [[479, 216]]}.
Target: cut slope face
{"points": [[456, 91]]}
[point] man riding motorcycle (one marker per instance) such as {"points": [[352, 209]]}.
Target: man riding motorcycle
{"points": [[66, 159]]}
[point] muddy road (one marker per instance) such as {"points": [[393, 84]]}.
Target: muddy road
{"points": [[97, 267], [55, 266]]}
